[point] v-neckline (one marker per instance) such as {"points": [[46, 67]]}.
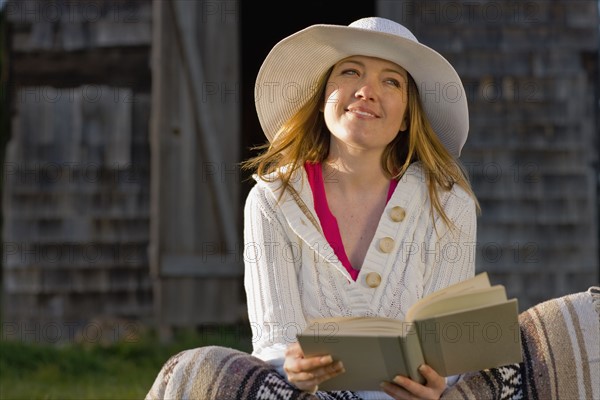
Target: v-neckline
{"points": [[329, 223]]}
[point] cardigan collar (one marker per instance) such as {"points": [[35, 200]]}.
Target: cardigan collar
{"points": [[298, 206]]}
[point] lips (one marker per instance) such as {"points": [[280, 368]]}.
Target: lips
{"points": [[362, 112]]}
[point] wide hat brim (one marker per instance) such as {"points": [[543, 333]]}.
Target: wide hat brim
{"points": [[289, 74]]}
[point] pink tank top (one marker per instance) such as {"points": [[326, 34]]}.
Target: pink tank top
{"points": [[327, 219]]}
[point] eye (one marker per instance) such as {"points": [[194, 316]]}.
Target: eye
{"points": [[393, 82], [349, 72]]}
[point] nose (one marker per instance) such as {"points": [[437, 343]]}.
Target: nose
{"points": [[366, 91]]}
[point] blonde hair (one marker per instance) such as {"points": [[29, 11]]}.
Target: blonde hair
{"points": [[305, 137]]}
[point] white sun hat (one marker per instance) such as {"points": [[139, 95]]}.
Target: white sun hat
{"points": [[289, 74]]}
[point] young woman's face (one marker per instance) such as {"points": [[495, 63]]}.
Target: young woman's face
{"points": [[365, 102]]}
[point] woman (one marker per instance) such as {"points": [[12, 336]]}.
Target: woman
{"points": [[360, 206]]}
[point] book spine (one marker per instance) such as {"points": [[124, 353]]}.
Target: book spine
{"points": [[413, 354]]}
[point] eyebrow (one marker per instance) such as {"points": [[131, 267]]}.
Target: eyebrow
{"points": [[384, 70]]}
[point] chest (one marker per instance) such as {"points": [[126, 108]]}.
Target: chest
{"points": [[357, 220]]}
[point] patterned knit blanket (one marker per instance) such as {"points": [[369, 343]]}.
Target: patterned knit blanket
{"points": [[561, 355], [561, 351], [220, 373]]}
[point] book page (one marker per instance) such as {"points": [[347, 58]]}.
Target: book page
{"points": [[479, 338], [479, 281], [356, 326], [461, 302]]}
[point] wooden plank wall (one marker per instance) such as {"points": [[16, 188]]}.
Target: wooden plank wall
{"points": [[530, 70], [79, 216], [195, 253], [76, 189]]}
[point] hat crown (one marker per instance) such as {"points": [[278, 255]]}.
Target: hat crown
{"points": [[383, 25], [299, 61]]}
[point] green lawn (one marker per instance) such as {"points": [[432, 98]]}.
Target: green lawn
{"points": [[119, 371]]}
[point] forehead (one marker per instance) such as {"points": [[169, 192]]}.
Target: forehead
{"points": [[366, 60]]}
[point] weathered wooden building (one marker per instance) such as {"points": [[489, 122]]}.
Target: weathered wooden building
{"points": [[76, 188], [530, 69], [122, 196]]}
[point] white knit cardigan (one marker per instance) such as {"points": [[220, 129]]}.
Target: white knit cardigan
{"points": [[292, 274]]}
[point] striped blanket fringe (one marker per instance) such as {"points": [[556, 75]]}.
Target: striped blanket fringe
{"points": [[221, 373], [561, 355], [561, 360]]}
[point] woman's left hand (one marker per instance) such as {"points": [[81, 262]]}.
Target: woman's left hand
{"points": [[405, 388]]}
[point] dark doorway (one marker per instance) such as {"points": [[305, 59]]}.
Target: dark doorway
{"points": [[263, 24]]}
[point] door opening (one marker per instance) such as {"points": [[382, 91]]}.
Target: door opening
{"points": [[262, 26]]}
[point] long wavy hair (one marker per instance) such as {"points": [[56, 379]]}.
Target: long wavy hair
{"points": [[305, 137]]}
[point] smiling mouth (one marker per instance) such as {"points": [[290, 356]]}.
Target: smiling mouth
{"points": [[362, 113]]}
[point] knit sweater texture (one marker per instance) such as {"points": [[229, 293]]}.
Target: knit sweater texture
{"points": [[293, 276]]}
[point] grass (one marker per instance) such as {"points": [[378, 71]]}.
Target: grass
{"points": [[118, 371]]}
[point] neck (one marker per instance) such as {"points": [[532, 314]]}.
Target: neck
{"points": [[353, 172]]}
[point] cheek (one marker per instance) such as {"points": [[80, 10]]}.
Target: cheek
{"points": [[402, 108], [329, 114], [330, 101], [331, 92], [404, 113]]}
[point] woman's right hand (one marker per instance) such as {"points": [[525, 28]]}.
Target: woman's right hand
{"points": [[306, 373]]}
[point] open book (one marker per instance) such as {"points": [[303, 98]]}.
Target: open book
{"points": [[465, 327]]}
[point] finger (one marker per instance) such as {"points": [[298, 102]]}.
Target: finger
{"points": [[306, 386], [329, 371], [317, 376], [434, 380], [294, 350], [306, 377], [410, 386], [433, 389], [436, 383], [304, 380], [306, 364]]}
